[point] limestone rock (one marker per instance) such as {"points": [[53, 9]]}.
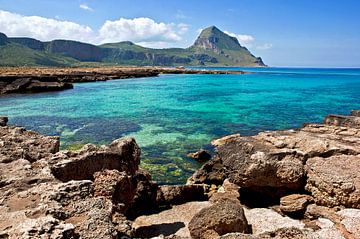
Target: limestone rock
{"points": [[173, 221], [295, 204], [218, 219], [282, 233], [122, 155], [335, 180], [18, 143], [174, 195], [346, 121]]}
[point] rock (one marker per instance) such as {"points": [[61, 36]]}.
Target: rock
{"points": [[345, 121], [122, 155], [201, 155], [270, 165], [173, 221], [18, 143], [295, 204], [355, 113], [224, 140], [265, 220], [228, 191], [282, 233], [174, 195], [115, 185], [212, 172], [218, 219], [145, 198], [335, 180], [3, 120]]}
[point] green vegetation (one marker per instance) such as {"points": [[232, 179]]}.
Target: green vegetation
{"points": [[212, 48]]}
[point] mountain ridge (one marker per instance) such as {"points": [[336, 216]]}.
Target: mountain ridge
{"points": [[212, 48]]}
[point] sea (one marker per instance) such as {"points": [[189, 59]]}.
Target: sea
{"points": [[173, 115]]}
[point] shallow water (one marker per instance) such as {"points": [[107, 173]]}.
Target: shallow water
{"points": [[173, 115]]}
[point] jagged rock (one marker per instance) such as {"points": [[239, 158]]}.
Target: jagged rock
{"points": [[174, 195], [271, 164], [122, 155], [346, 121], [145, 199], [335, 180], [218, 219], [3, 120], [114, 185], [201, 155], [295, 204], [18, 143], [228, 191], [173, 221], [282, 233]]}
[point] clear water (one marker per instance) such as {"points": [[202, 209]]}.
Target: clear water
{"points": [[173, 115]]}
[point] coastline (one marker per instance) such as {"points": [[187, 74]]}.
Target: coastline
{"points": [[301, 183], [41, 79]]}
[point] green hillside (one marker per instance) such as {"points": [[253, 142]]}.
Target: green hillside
{"points": [[212, 48]]}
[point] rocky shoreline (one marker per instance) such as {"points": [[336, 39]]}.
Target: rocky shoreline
{"points": [[302, 183], [32, 80]]}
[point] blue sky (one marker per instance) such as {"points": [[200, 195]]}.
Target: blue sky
{"points": [[318, 33]]}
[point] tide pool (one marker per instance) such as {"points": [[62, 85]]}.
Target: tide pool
{"points": [[172, 115]]}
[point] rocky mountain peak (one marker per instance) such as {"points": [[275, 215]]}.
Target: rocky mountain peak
{"points": [[212, 38]]}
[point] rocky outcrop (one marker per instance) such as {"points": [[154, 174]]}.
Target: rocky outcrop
{"points": [[3, 120], [218, 219], [335, 180], [84, 194]]}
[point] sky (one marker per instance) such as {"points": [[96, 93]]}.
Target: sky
{"points": [[306, 33]]}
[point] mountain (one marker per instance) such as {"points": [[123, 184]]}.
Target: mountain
{"points": [[212, 48]]}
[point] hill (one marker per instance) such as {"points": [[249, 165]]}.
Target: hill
{"points": [[212, 48]]}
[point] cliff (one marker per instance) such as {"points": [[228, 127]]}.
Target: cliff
{"points": [[212, 48]]}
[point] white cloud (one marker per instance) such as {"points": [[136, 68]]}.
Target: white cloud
{"points": [[242, 38], [139, 30], [265, 46], [86, 7], [41, 28]]}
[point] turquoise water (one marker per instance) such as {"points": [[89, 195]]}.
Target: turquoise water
{"points": [[173, 115]]}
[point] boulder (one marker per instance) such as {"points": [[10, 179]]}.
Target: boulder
{"points": [[201, 155], [174, 195], [334, 181], [122, 155], [3, 120], [295, 204], [218, 219], [115, 185]]}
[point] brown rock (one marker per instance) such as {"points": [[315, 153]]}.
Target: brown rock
{"points": [[122, 155], [218, 219], [174, 195], [282, 233], [18, 143], [355, 113], [114, 185], [345, 121], [201, 155], [3, 120], [335, 180], [295, 204]]}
